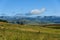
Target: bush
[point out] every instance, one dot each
(3, 20)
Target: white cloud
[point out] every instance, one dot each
(38, 11)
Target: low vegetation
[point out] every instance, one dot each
(27, 32)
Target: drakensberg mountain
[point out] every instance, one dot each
(32, 20)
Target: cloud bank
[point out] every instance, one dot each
(38, 11)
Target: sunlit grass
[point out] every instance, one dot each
(27, 32)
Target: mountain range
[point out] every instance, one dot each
(32, 20)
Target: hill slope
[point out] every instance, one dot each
(27, 32)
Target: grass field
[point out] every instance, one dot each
(27, 32)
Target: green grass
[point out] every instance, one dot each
(27, 32)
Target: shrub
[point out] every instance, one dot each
(3, 20)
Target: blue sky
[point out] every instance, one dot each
(13, 7)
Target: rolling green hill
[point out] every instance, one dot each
(27, 32)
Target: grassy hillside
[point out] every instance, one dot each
(27, 32)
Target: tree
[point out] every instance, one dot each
(20, 22)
